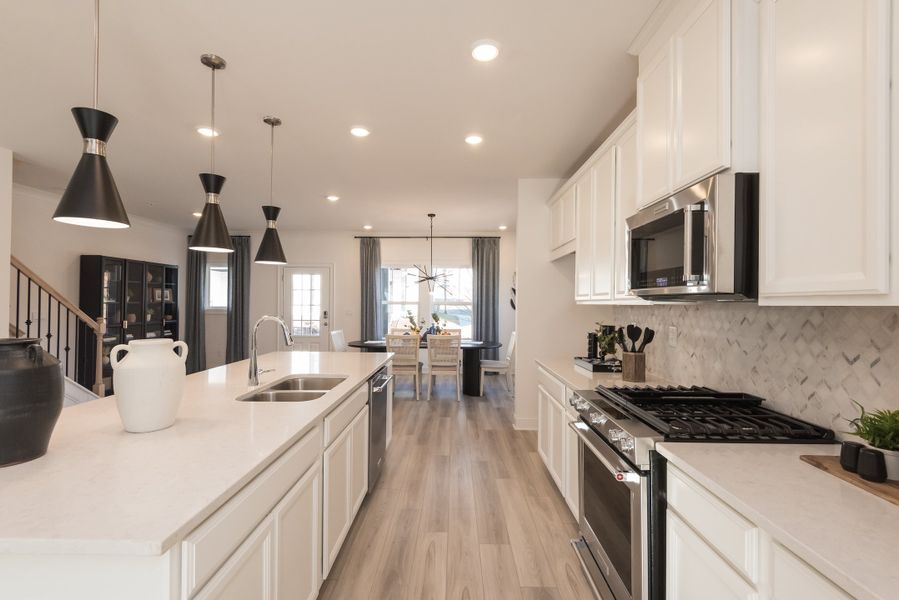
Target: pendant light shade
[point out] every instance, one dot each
(270, 250)
(92, 199)
(211, 233)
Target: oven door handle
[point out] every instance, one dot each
(625, 476)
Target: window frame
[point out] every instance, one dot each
(426, 302)
(207, 296)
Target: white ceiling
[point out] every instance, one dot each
(402, 68)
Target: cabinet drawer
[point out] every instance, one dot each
(210, 544)
(795, 579)
(735, 538)
(552, 386)
(343, 415)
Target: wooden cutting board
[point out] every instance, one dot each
(889, 490)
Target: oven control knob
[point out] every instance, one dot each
(582, 405)
(572, 400)
(598, 419)
(615, 434)
(626, 443)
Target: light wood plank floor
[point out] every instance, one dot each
(465, 510)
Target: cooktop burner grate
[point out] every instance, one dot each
(698, 414)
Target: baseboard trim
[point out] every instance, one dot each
(525, 424)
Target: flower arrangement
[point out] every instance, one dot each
(414, 326)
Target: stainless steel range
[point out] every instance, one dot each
(622, 477)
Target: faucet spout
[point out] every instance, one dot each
(254, 360)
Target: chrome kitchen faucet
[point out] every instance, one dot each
(254, 361)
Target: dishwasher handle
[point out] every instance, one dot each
(384, 383)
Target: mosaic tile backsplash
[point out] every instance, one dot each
(810, 362)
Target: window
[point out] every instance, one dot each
(306, 304)
(216, 287)
(451, 298)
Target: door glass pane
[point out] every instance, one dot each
(112, 292)
(306, 308)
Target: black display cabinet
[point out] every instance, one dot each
(138, 300)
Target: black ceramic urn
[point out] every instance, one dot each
(31, 395)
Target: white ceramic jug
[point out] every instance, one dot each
(148, 383)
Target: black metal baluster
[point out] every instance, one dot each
(28, 311)
(39, 290)
(49, 335)
(68, 326)
(18, 299)
(58, 330)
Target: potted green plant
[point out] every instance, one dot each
(880, 430)
(414, 326)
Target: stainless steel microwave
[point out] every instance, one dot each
(699, 244)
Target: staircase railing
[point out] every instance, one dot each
(40, 311)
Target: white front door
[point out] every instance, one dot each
(307, 306)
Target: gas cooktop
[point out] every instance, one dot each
(700, 414)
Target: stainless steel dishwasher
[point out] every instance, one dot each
(378, 396)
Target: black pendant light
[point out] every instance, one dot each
(92, 199)
(270, 250)
(211, 234)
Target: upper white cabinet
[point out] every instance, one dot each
(625, 205)
(604, 171)
(563, 223)
(826, 204)
(583, 256)
(655, 126)
(697, 102)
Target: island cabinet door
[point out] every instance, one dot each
(248, 573)
(298, 539)
(792, 578)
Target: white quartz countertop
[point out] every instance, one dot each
(577, 378)
(847, 534)
(100, 490)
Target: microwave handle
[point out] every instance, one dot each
(689, 275)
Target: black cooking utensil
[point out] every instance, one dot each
(633, 333)
(648, 335)
(620, 339)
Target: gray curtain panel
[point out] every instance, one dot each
(370, 263)
(238, 344)
(195, 315)
(485, 271)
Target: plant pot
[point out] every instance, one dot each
(31, 396)
(891, 458)
(148, 383)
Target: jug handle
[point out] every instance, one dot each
(183, 346)
(36, 354)
(114, 354)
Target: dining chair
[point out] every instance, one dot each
(400, 331)
(338, 340)
(506, 365)
(443, 359)
(405, 358)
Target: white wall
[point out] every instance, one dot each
(549, 323)
(53, 250)
(5, 235)
(340, 250)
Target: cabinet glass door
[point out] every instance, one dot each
(134, 300)
(155, 303)
(113, 273)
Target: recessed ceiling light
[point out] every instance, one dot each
(503, 227)
(484, 51)
(366, 227)
(197, 214)
(208, 132)
(473, 139)
(333, 198)
(360, 132)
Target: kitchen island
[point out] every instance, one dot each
(108, 514)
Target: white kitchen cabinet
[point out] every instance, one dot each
(557, 444)
(603, 217)
(248, 573)
(583, 254)
(572, 490)
(694, 571)
(563, 223)
(557, 456)
(626, 205)
(655, 127)
(702, 98)
(550, 439)
(697, 96)
(826, 203)
(298, 539)
(544, 432)
(792, 578)
(345, 470)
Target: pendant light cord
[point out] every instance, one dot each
(96, 51)
(271, 171)
(212, 119)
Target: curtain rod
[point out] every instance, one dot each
(425, 237)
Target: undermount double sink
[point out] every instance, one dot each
(300, 388)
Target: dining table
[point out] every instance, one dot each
(471, 359)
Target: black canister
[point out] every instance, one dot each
(871, 465)
(591, 345)
(31, 396)
(849, 456)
